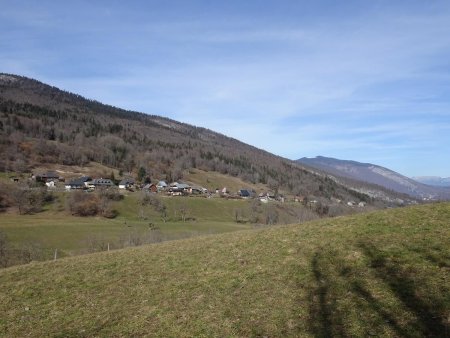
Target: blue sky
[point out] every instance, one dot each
(361, 80)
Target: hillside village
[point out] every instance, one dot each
(43, 128)
(55, 182)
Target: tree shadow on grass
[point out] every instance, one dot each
(434, 256)
(428, 313)
(334, 278)
(324, 319)
(377, 307)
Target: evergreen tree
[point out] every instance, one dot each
(141, 173)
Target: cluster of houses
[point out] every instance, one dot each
(89, 183)
(172, 189)
(50, 179)
(86, 182)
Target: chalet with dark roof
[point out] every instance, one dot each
(78, 183)
(150, 187)
(162, 185)
(126, 183)
(244, 193)
(48, 176)
(197, 190)
(179, 188)
(102, 183)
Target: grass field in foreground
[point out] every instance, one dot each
(383, 274)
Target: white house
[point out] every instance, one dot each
(126, 183)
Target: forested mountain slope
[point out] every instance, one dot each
(43, 124)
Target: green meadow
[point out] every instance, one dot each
(56, 229)
(383, 274)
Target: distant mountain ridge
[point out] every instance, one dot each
(374, 174)
(433, 180)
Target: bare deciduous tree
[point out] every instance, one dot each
(271, 215)
(183, 210)
(27, 200)
(96, 242)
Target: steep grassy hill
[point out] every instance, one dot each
(376, 274)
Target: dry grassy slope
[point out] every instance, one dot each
(212, 180)
(68, 172)
(378, 274)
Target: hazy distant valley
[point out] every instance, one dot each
(374, 174)
(433, 180)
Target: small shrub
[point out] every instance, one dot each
(321, 209)
(95, 243)
(83, 204)
(5, 198)
(110, 213)
(149, 199)
(111, 194)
